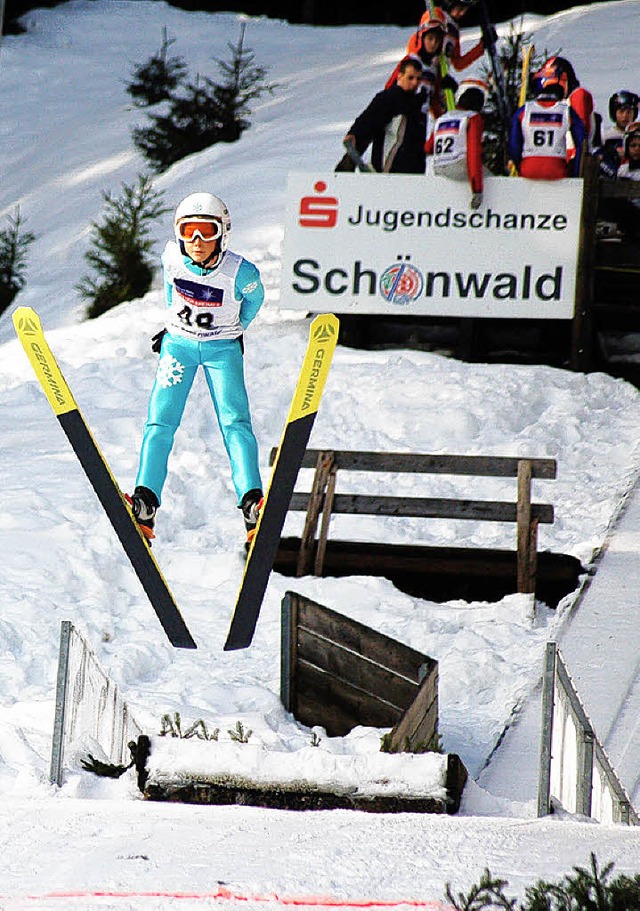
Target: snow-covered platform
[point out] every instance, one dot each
(600, 643)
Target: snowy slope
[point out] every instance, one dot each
(65, 140)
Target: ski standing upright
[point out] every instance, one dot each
(323, 337)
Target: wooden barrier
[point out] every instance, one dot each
(323, 501)
(338, 673)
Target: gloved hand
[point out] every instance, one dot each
(156, 341)
(476, 200)
(448, 82)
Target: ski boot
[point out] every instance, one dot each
(144, 504)
(251, 504)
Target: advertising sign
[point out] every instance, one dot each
(406, 244)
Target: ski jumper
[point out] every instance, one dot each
(456, 146)
(208, 310)
(546, 140)
(452, 49)
(581, 101)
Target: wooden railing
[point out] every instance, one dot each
(323, 500)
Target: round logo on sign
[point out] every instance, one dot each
(401, 283)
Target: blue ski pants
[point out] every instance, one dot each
(222, 361)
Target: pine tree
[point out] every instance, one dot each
(190, 125)
(13, 255)
(159, 77)
(205, 112)
(244, 82)
(121, 245)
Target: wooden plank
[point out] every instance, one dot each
(418, 727)
(427, 508)
(327, 509)
(526, 583)
(292, 797)
(482, 466)
(362, 640)
(355, 669)
(369, 558)
(288, 651)
(324, 463)
(338, 706)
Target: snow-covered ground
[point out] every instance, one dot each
(65, 139)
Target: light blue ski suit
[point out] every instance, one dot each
(200, 333)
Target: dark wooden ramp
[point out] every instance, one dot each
(439, 573)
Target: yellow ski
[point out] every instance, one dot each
(323, 337)
(29, 331)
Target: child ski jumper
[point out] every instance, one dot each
(456, 141)
(628, 215)
(212, 295)
(455, 11)
(558, 71)
(630, 167)
(623, 111)
(425, 47)
(546, 137)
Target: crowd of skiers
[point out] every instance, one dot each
(425, 121)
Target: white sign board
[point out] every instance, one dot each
(411, 245)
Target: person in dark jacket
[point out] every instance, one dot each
(394, 125)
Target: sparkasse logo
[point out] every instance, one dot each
(318, 211)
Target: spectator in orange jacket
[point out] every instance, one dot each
(425, 47)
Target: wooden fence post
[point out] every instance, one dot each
(288, 651)
(582, 327)
(327, 509)
(527, 531)
(324, 465)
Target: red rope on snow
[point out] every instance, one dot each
(223, 894)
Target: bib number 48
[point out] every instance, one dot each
(201, 320)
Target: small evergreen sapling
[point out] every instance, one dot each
(190, 125)
(590, 889)
(120, 249)
(204, 112)
(159, 77)
(13, 257)
(243, 83)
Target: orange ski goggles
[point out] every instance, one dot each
(206, 230)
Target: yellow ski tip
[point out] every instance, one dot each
(26, 321)
(323, 338)
(29, 330)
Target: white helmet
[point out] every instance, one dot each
(477, 85)
(204, 207)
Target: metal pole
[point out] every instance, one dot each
(1, 18)
(548, 690)
(57, 746)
